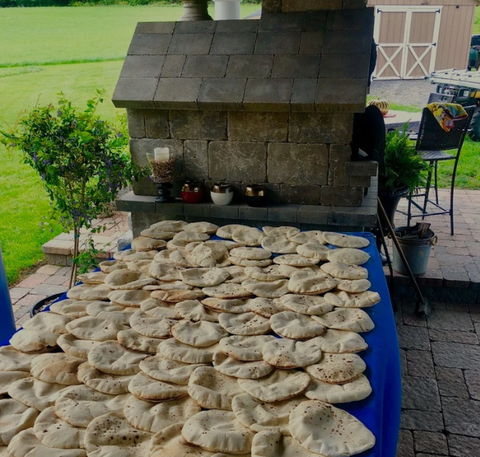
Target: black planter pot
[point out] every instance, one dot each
(44, 302)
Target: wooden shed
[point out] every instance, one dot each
(416, 37)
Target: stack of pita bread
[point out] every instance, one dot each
(188, 345)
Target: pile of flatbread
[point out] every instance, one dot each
(187, 345)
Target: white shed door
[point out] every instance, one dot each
(406, 38)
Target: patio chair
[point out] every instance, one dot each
(432, 144)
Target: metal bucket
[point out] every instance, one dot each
(7, 322)
(416, 250)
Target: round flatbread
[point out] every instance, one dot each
(56, 368)
(249, 253)
(349, 256)
(145, 244)
(310, 282)
(173, 350)
(227, 291)
(268, 443)
(226, 231)
(129, 297)
(235, 306)
(127, 280)
(193, 310)
(295, 260)
(277, 386)
(34, 393)
(288, 270)
(110, 312)
(345, 241)
(167, 370)
(218, 431)
(47, 322)
(263, 289)
(149, 389)
(34, 341)
(313, 250)
(96, 277)
(186, 237)
(159, 309)
(108, 266)
(249, 263)
(14, 417)
(289, 354)
(204, 277)
(177, 296)
(154, 417)
(245, 348)
(265, 307)
(164, 271)
(306, 304)
(198, 334)
(306, 237)
(102, 382)
(248, 236)
(341, 341)
(9, 377)
(237, 369)
(157, 233)
(237, 274)
(324, 429)
(201, 227)
(264, 416)
(361, 300)
(356, 390)
(112, 358)
(285, 231)
(344, 271)
(279, 245)
(89, 292)
(354, 320)
(132, 340)
(296, 326)
(354, 286)
(245, 324)
(94, 329)
(271, 273)
(70, 308)
(150, 326)
(169, 226)
(337, 368)
(13, 360)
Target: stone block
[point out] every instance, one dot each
(312, 42)
(300, 195)
(431, 442)
(453, 336)
(257, 126)
(148, 44)
(202, 210)
(339, 65)
(354, 4)
(136, 123)
(321, 128)
(360, 181)
(193, 125)
(341, 94)
(173, 66)
(250, 66)
(156, 124)
(222, 94)
(420, 393)
(351, 20)
(272, 22)
(303, 95)
(342, 196)
(249, 213)
(171, 92)
(274, 43)
(455, 355)
(363, 168)
(405, 444)
(339, 42)
(142, 67)
(173, 210)
(190, 43)
(136, 203)
(358, 217)
(232, 43)
(155, 27)
(204, 66)
(314, 21)
(271, 6)
(311, 5)
(420, 364)
(472, 378)
(297, 66)
(195, 27)
(237, 161)
(340, 154)
(307, 163)
(224, 212)
(237, 26)
(450, 382)
(135, 93)
(196, 159)
(421, 420)
(450, 320)
(311, 214)
(461, 416)
(268, 94)
(283, 213)
(413, 338)
(463, 446)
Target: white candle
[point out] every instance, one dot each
(161, 153)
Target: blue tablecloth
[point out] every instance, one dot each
(380, 412)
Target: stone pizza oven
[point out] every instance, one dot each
(269, 101)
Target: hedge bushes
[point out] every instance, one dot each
(32, 3)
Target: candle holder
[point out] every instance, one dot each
(162, 175)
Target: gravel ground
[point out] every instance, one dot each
(412, 92)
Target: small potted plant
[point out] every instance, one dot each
(82, 161)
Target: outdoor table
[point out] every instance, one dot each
(380, 412)
(397, 119)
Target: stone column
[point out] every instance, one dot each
(195, 10)
(227, 9)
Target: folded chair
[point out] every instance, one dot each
(432, 145)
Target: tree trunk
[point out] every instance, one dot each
(76, 244)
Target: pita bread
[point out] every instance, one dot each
(171, 371)
(79, 405)
(270, 273)
(277, 386)
(264, 416)
(237, 369)
(296, 326)
(173, 350)
(14, 417)
(159, 309)
(218, 431)
(344, 271)
(227, 291)
(226, 231)
(337, 368)
(89, 292)
(268, 443)
(70, 308)
(245, 348)
(129, 254)
(127, 280)
(172, 285)
(164, 272)
(102, 382)
(145, 244)
(193, 310)
(74, 347)
(204, 277)
(8, 377)
(201, 227)
(285, 231)
(176, 296)
(157, 233)
(190, 236)
(149, 389)
(47, 322)
(295, 260)
(111, 434)
(108, 266)
(356, 390)
(306, 304)
(26, 444)
(56, 433)
(56, 368)
(310, 282)
(250, 263)
(306, 237)
(129, 297)
(323, 429)
(360, 300)
(271, 289)
(245, 324)
(354, 320)
(349, 256)
(345, 241)
(33, 341)
(13, 360)
(279, 245)
(212, 389)
(169, 226)
(134, 341)
(237, 274)
(154, 417)
(198, 334)
(112, 358)
(235, 306)
(96, 277)
(250, 253)
(94, 328)
(34, 393)
(341, 341)
(110, 312)
(354, 286)
(248, 236)
(209, 255)
(314, 250)
(150, 326)
(265, 307)
(288, 354)
(288, 270)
